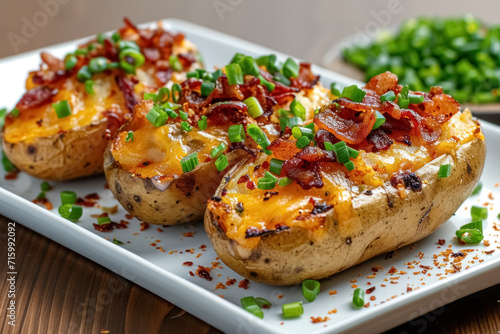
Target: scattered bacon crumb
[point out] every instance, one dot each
(490, 196)
(160, 249)
(191, 273)
(129, 216)
(332, 292)
(373, 298)
(134, 234)
(152, 244)
(279, 296)
(203, 246)
(367, 305)
(230, 281)
(486, 243)
(332, 311)
(189, 234)
(104, 331)
(383, 285)
(204, 272)
(371, 276)
(319, 319)
(198, 256)
(441, 242)
(220, 285)
(392, 270)
(45, 202)
(159, 229)
(354, 281)
(354, 286)
(215, 265)
(409, 289)
(187, 264)
(370, 290)
(12, 175)
(244, 284)
(144, 226)
(489, 252)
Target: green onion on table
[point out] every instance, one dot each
(462, 55)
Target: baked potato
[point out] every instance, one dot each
(72, 107)
(327, 212)
(146, 174)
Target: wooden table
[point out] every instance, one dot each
(60, 291)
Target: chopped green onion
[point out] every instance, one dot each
(389, 96)
(156, 116)
(334, 90)
(70, 62)
(350, 166)
(402, 102)
(117, 242)
(15, 113)
(41, 195)
(193, 74)
(116, 36)
(310, 289)
(266, 183)
(183, 115)
(478, 212)
(237, 58)
(123, 45)
(89, 87)
(444, 171)
(71, 212)
(475, 224)
(202, 123)
(416, 99)
(207, 87)
(130, 136)
(379, 121)
(131, 59)
(68, 197)
(103, 220)
(249, 304)
(289, 122)
(45, 186)
(298, 109)
(185, 126)
(84, 74)
(259, 136)
(249, 66)
(81, 52)
(189, 162)
(254, 107)
(151, 96)
(100, 38)
(469, 236)
(91, 47)
(8, 166)
(269, 62)
(217, 151)
(175, 63)
(275, 166)
(221, 163)
(162, 93)
(269, 85)
(279, 77)
(62, 108)
(234, 74)
(263, 303)
(290, 68)
(477, 189)
(405, 91)
(358, 298)
(236, 133)
(176, 92)
(172, 114)
(292, 310)
(354, 93)
(328, 146)
(113, 65)
(98, 64)
(302, 142)
(217, 74)
(341, 152)
(285, 181)
(299, 131)
(352, 152)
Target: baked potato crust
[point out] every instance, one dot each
(384, 222)
(62, 156)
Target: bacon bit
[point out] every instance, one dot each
(191, 273)
(144, 226)
(489, 252)
(129, 216)
(216, 265)
(92, 196)
(332, 311)
(354, 286)
(354, 281)
(368, 283)
(104, 331)
(243, 179)
(441, 242)
(203, 246)
(230, 281)
(490, 196)
(244, 284)
(251, 185)
(159, 229)
(204, 272)
(187, 264)
(486, 243)
(332, 292)
(367, 305)
(373, 298)
(279, 296)
(153, 244)
(43, 201)
(392, 270)
(319, 319)
(12, 176)
(425, 267)
(220, 285)
(134, 234)
(370, 290)
(82, 202)
(394, 282)
(189, 234)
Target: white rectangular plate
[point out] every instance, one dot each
(154, 259)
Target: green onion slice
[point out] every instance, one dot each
(62, 108)
(84, 74)
(8, 166)
(236, 133)
(234, 74)
(89, 87)
(290, 68)
(193, 74)
(285, 181)
(249, 66)
(176, 92)
(71, 212)
(259, 136)
(334, 90)
(70, 62)
(156, 116)
(189, 162)
(254, 107)
(207, 88)
(103, 220)
(389, 96)
(15, 113)
(469, 236)
(354, 93)
(478, 212)
(475, 224)
(221, 163)
(45, 186)
(292, 310)
(310, 289)
(266, 183)
(263, 303)
(250, 305)
(175, 63)
(130, 136)
(350, 166)
(444, 171)
(379, 121)
(289, 122)
(202, 123)
(298, 109)
(358, 298)
(416, 99)
(303, 142)
(186, 126)
(402, 102)
(477, 189)
(217, 151)
(275, 166)
(98, 65)
(269, 85)
(68, 197)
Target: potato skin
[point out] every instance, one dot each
(76, 153)
(384, 222)
(181, 200)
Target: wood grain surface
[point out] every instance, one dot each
(60, 291)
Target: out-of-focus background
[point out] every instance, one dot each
(304, 29)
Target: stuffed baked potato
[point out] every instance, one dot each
(147, 174)
(72, 107)
(316, 211)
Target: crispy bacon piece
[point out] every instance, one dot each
(306, 78)
(242, 146)
(35, 97)
(127, 88)
(437, 105)
(316, 154)
(323, 136)
(321, 208)
(227, 112)
(186, 59)
(345, 124)
(383, 83)
(53, 63)
(426, 128)
(305, 174)
(283, 149)
(379, 139)
(409, 179)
